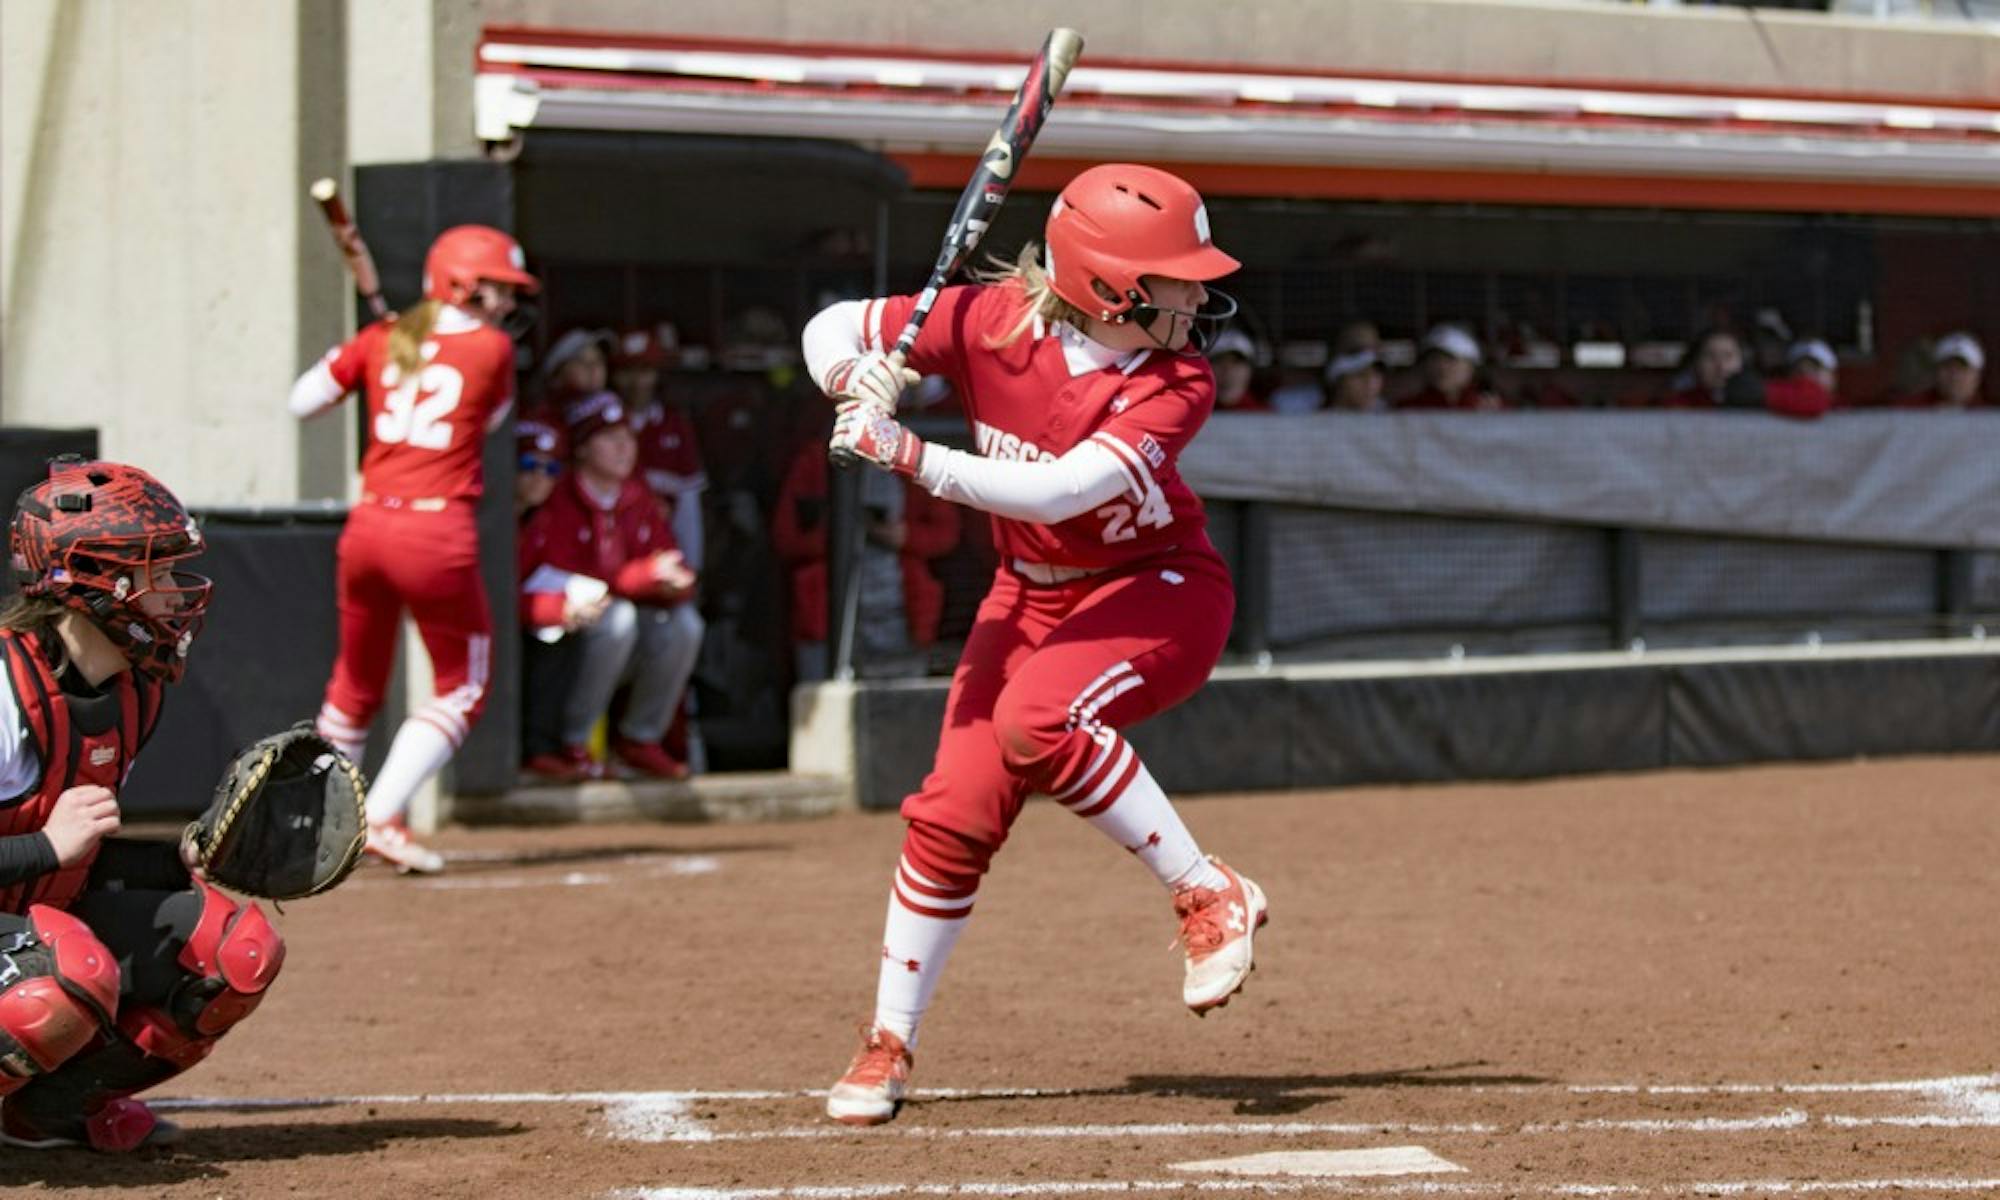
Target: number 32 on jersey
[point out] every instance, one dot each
(1121, 524)
(416, 410)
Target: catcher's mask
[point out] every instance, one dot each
(102, 538)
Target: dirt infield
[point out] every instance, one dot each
(1780, 980)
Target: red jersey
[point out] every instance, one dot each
(669, 456)
(1025, 401)
(425, 432)
(573, 533)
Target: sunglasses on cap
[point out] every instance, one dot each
(531, 463)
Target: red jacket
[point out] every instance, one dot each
(1786, 395)
(571, 533)
(932, 529)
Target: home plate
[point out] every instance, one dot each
(1385, 1160)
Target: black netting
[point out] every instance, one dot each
(1689, 577)
(1342, 572)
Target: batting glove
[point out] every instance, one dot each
(867, 431)
(871, 379)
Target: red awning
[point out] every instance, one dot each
(1266, 132)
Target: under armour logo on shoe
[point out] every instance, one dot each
(1236, 917)
(909, 964)
(1152, 841)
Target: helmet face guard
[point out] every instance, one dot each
(101, 539)
(1204, 323)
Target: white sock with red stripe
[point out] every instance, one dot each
(419, 750)
(923, 925)
(1119, 798)
(347, 737)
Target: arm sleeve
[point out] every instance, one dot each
(26, 856)
(831, 338)
(1046, 493)
(842, 331)
(315, 391)
(128, 864)
(330, 379)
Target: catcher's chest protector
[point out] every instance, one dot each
(69, 758)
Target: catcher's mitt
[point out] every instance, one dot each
(287, 819)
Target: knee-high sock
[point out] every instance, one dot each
(924, 921)
(348, 736)
(419, 750)
(1119, 798)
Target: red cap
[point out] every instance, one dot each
(645, 346)
(539, 433)
(593, 413)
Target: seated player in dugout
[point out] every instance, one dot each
(901, 602)
(602, 525)
(1083, 381)
(1234, 358)
(437, 381)
(1448, 360)
(120, 966)
(1957, 362)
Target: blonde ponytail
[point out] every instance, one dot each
(408, 335)
(1042, 300)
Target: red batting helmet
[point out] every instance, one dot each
(1118, 222)
(465, 254)
(92, 536)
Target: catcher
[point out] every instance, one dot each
(121, 963)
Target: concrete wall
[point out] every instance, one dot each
(155, 238)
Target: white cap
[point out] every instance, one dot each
(1451, 340)
(571, 344)
(1959, 345)
(1344, 365)
(1233, 341)
(1813, 350)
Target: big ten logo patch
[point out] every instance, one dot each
(1151, 449)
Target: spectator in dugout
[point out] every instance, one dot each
(1809, 387)
(669, 454)
(602, 528)
(1957, 362)
(1714, 375)
(576, 365)
(1234, 358)
(1354, 381)
(553, 603)
(1448, 361)
(901, 602)
(1717, 376)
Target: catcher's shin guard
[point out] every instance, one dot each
(231, 958)
(58, 988)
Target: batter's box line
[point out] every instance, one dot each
(1315, 1187)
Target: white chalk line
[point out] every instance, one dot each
(1316, 1187)
(1966, 1102)
(656, 868)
